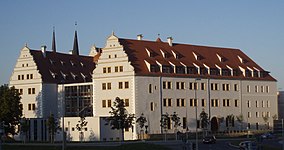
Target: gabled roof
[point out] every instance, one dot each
(137, 53)
(63, 68)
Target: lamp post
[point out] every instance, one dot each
(195, 101)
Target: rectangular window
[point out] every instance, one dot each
(108, 69)
(178, 102)
(120, 68)
(29, 90)
(29, 106)
(169, 102)
(256, 114)
(104, 70)
(19, 77)
(262, 104)
(33, 90)
(164, 84)
(182, 102)
(178, 85)
(203, 86)
(28, 76)
(152, 106)
(248, 88)
(256, 89)
(31, 76)
(182, 85)
(150, 88)
(33, 106)
(116, 69)
(203, 103)
(236, 103)
(256, 104)
(248, 104)
(120, 85)
(267, 89)
(169, 85)
(109, 103)
(126, 102)
(104, 103)
(103, 86)
(214, 102)
(23, 77)
(164, 102)
(268, 103)
(126, 84)
(236, 87)
(109, 86)
(184, 123)
(249, 114)
(214, 86)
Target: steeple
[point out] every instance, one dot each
(53, 40)
(75, 44)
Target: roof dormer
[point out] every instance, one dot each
(197, 56)
(221, 58)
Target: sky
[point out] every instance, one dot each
(255, 26)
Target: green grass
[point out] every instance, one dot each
(134, 146)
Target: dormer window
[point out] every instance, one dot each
(84, 77)
(230, 70)
(197, 56)
(52, 61)
(54, 75)
(150, 53)
(221, 58)
(72, 63)
(165, 54)
(63, 75)
(256, 72)
(197, 68)
(62, 63)
(180, 70)
(192, 70)
(219, 69)
(74, 76)
(167, 69)
(207, 68)
(82, 64)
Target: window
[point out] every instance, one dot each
(180, 102)
(256, 88)
(203, 86)
(29, 106)
(267, 89)
(33, 90)
(33, 106)
(180, 85)
(236, 103)
(23, 77)
(193, 102)
(167, 102)
(226, 103)
(214, 86)
(29, 90)
(120, 85)
(256, 104)
(226, 87)
(108, 69)
(126, 84)
(21, 91)
(262, 89)
(109, 103)
(203, 103)
(150, 88)
(19, 77)
(126, 102)
(256, 114)
(28, 76)
(268, 103)
(120, 68)
(104, 70)
(248, 88)
(214, 103)
(249, 114)
(152, 106)
(116, 69)
(167, 85)
(184, 123)
(104, 103)
(103, 86)
(192, 85)
(262, 104)
(248, 104)
(31, 76)
(236, 87)
(109, 86)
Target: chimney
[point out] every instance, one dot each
(170, 41)
(139, 37)
(43, 50)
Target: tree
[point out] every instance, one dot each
(82, 123)
(240, 119)
(164, 123)
(24, 128)
(265, 119)
(176, 120)
(53, 127)
(120, 119)
(11, 108)
(204, 120)
(141, 122)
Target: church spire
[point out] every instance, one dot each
(53, 40)
(75, 44)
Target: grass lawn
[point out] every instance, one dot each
(135, 146)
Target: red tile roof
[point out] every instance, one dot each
(136, 51)
(63, 68)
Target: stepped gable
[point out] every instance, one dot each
(159, 53)
(63, 68)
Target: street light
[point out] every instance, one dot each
(195, 101)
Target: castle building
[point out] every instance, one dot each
(153, 78)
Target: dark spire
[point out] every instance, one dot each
(75, 44)
(53, 41)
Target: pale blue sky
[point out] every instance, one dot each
(254, 26)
